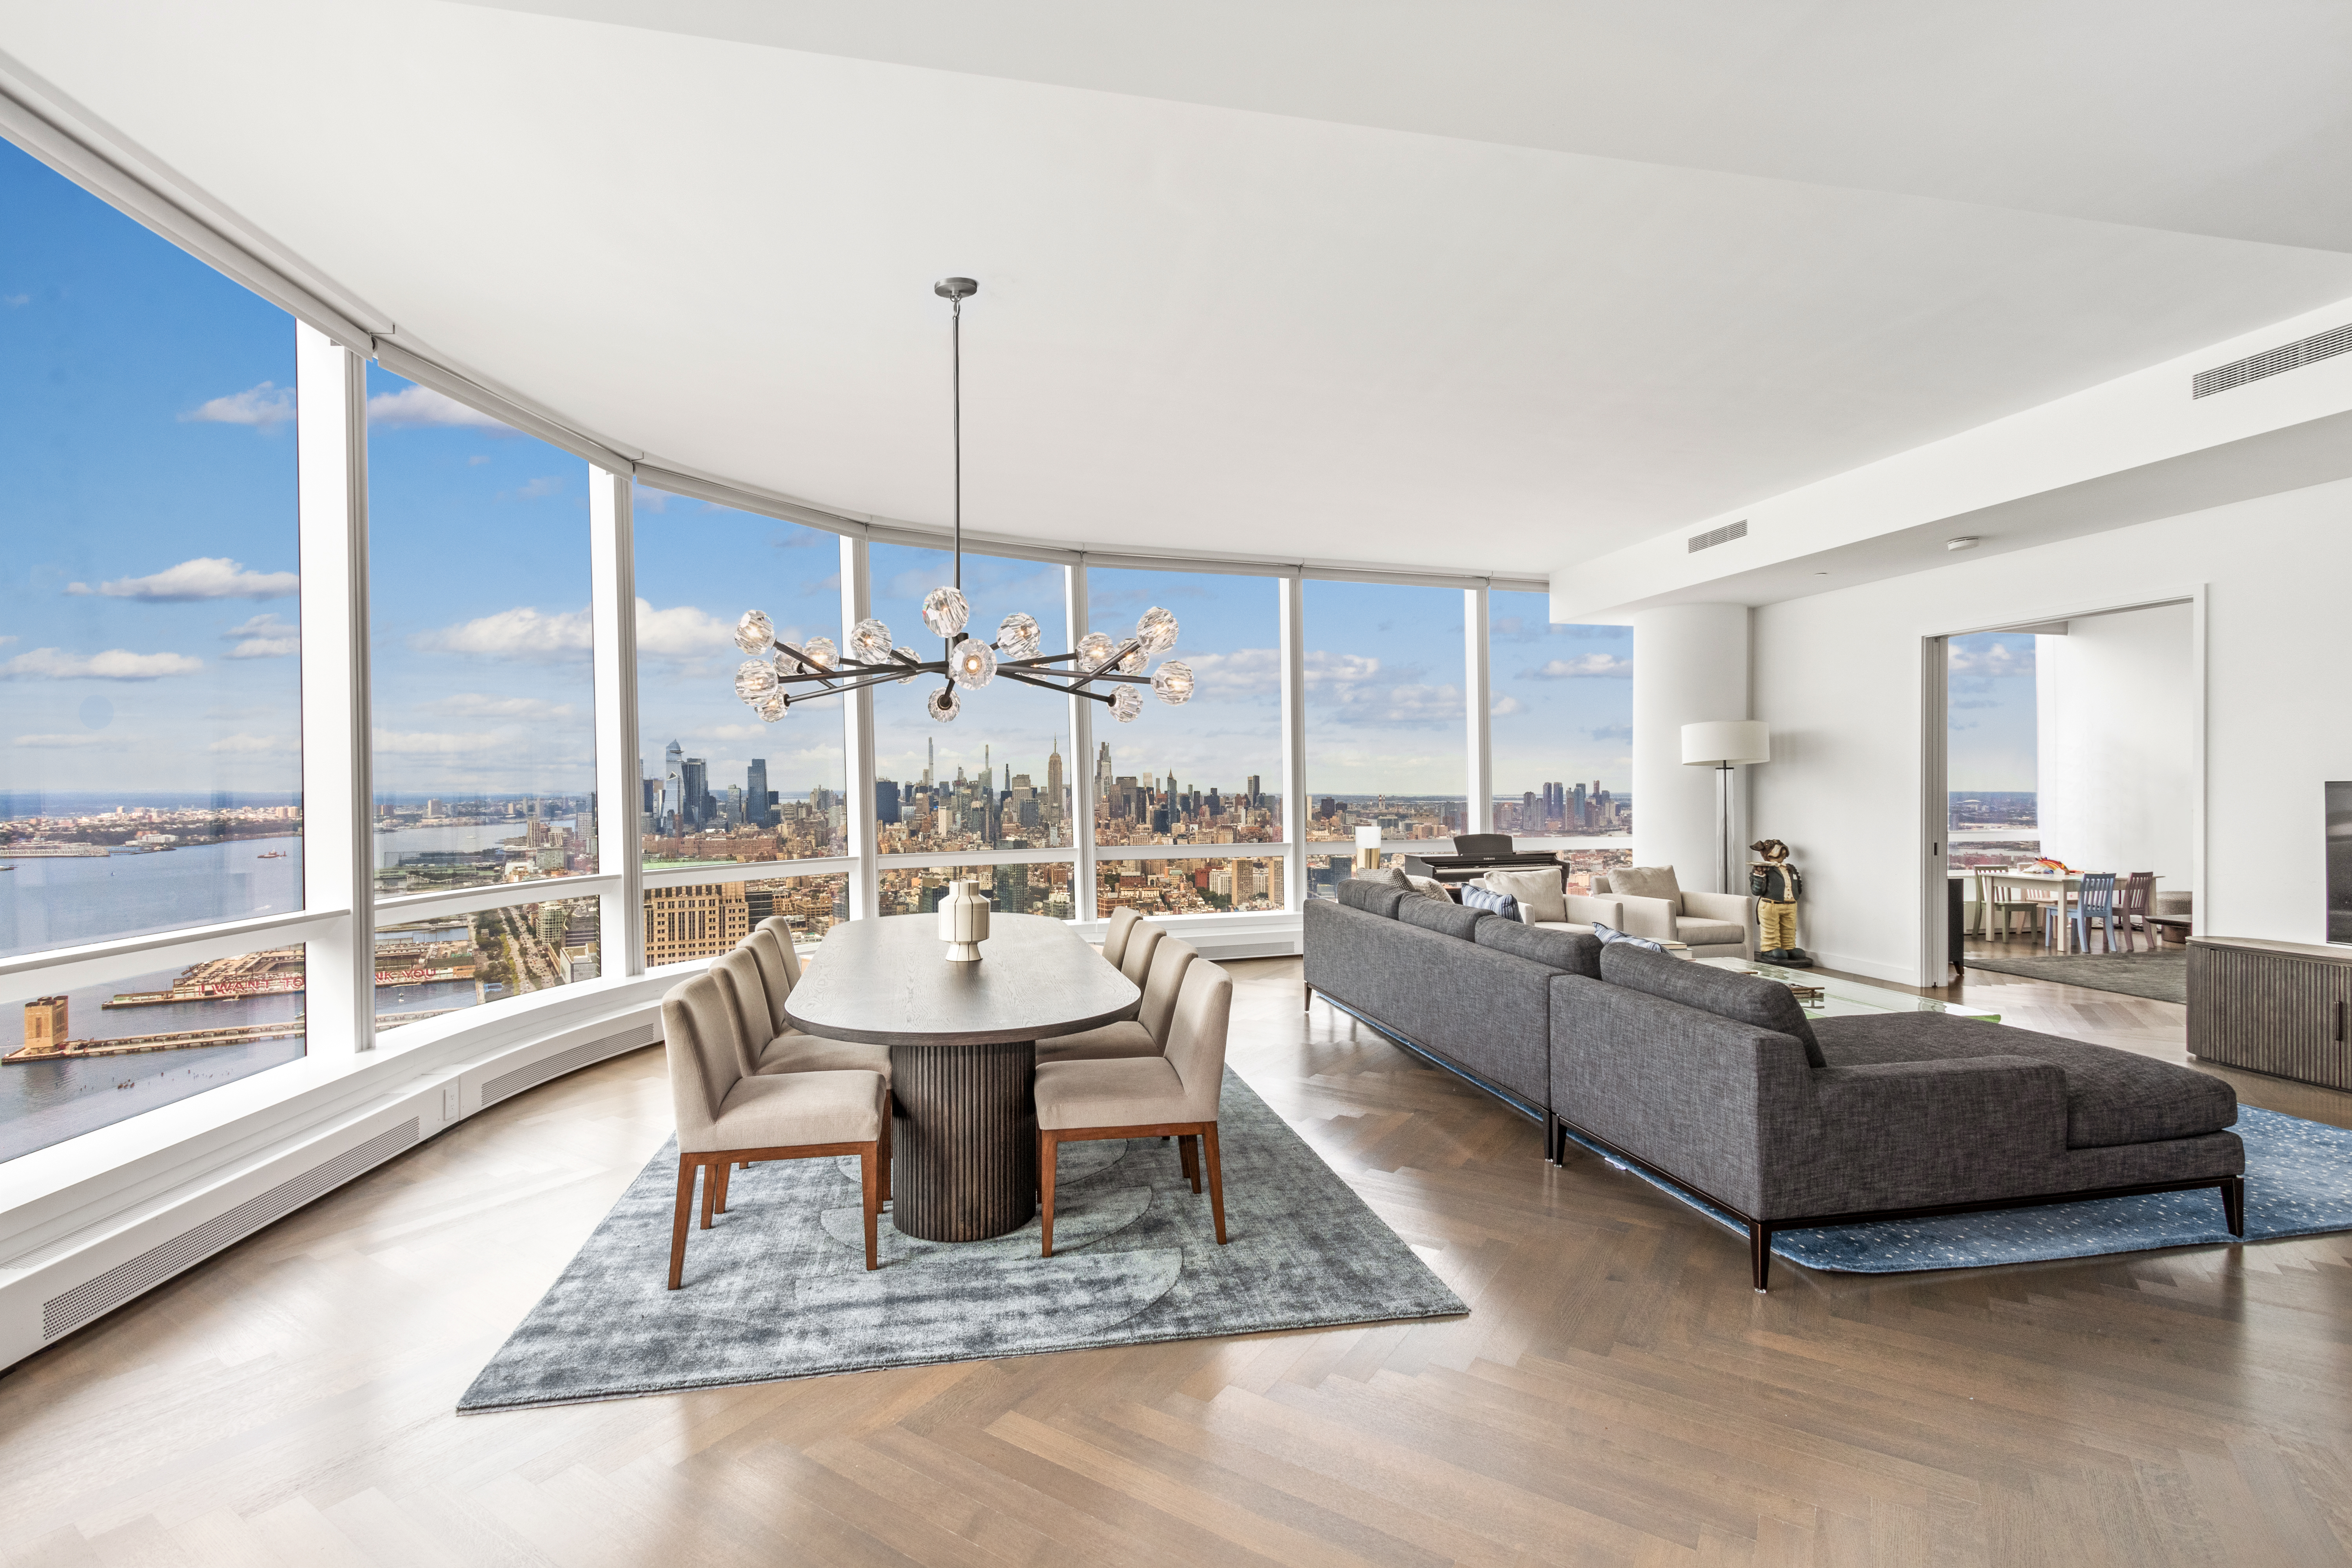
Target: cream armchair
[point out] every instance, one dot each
(1712, 925)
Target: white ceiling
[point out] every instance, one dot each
(1476, 286)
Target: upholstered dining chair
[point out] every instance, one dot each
(781, 930)
(1123, 922)
(769, 1042)
(726, 1117)
(1146, 1034)
(1136, 962)
(1172, 1095)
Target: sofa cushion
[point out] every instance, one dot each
(1474, 897)
(1568, 952)
(1710, 933)
(1373, 897)
(1745, 998)
(1441, 915)
(1647, 883)
(1539, 893)
(2113, 1097)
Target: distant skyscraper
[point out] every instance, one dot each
(1102, 772)
(886, 800)
(931, 761)
(1053, 782)
(755, 793)
(695, 773)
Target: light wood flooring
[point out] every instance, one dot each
(1617, 1395)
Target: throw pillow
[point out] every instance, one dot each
(1539, 893)
(1429, 887)
(1503, 904)
(1392, 876)
(1609, 934)
(1647, 883)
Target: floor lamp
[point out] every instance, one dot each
(1723, 744)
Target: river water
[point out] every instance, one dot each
(48, 903)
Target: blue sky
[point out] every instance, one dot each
(1563, 698)
(147, 608)
(1992, 744)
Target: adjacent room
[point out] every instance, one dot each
(1420, 785)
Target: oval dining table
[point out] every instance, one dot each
(963, 1053)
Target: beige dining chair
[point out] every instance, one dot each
(726, 1117)
(1174, 1094)
(1146, 1034)
(771, 1044)
(1123, 922)
(781, 930)
(1136, 962)
(2005, 902)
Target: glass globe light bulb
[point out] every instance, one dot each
(870, 641)
(943, 705)
(1127, 704)
(905, 656)
(754, 632)
(1133, 662)
(785, 664)
(753, 679)
(1172, 682)
(1094, 648)
(771, 707)
(1157, 630)
(972, 665)
(821, 652)
(945, 611)
(1018, 637)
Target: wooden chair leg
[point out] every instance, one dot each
(710, 1191)
(685, 1213)
(725, 1172)
(870, 1173)
(1188, 1151)
(887, 1119)
(1216, 1177)
(1048, 1148)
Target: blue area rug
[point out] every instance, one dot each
(2298, 1183)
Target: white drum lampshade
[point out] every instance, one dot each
(1368, 849)
(1722, 741)
(963, 922)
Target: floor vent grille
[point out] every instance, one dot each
(2271, 362)
(506, 1085)
(1714, 536)
(65, 1313)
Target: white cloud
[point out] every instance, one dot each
(1244, 672)
(520, 633)
(480, 705)
(205, 577)
(248, 744)
(68, 743)
(263, 636)
(1587, 665)
(264, 407)
(4, 641)
(1502, 707)
(682, 632)
(535, 490)
(477, 460)
(114, 664)
(14, 300)
(424, 743)
(1987, 659)
(421, 406)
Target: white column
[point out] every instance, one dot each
(612, 598)
(1479, 688)
(1293, 623)
(857, 736)
(338, 829)
(1690, 665)
(1082, 754)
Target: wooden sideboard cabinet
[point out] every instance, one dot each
(2272, 1006)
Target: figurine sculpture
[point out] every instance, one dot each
(1777, 886)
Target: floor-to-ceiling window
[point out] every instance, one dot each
(1560, 726)
(151, 754)
(484, 700)
(1991, 752)
(720, 782)
(1385, 716)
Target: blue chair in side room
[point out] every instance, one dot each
(2095, 905)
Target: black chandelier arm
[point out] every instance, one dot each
(1101, 696)
(1076, 682)
(812, 670)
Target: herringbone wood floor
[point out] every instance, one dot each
(1617, 1395)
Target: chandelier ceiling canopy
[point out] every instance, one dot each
(779, 670)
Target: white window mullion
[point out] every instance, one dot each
(1082, 755)
(857, 737)
(613, 590)
(338, 836)
(1292, 590)
(1478, 683)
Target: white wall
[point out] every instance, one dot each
(2115, 737)
(1837, 677)
(1690, 665)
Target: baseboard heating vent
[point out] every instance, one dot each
(65, 1313)
(507, 1085)
(2269, 362)
(1714, 536)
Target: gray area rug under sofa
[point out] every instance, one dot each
(778, 1288)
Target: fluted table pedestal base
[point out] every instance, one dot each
(965, 1166)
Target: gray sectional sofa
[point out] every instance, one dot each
(1716, 1082)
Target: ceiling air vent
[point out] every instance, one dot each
(1714, 536)
(2269, 362)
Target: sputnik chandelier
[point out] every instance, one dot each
(768, 681)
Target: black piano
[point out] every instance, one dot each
(1476, 854)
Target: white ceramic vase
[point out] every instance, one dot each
(963, 922)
